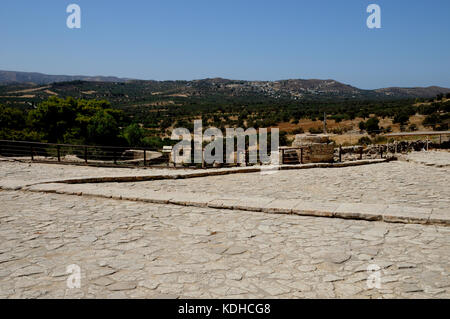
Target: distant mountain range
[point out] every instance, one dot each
(295, 89)
(12, 77)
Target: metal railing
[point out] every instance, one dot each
(81, 154)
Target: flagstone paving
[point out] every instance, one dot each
(30, 173)
(147, 250)
(432, 158)
(393, 182)
(396, 188)
(144, 250)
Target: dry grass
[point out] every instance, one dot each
(352, 127)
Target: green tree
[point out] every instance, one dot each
(372, 125)
(362, 125)
(402, 118)
(54, 117)
(134, 135)
(103, 129)
(76, 121)
(365, 140)
(432, 120)
(11, 118)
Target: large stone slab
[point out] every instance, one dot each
(227, 203)
(253, 203)
(397, 213)
(192, 199)
(440, 216)
(360, 211)
(322, 209)
(280, 206)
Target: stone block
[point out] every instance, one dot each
(404, 214)
(323, 209)
(360, 211)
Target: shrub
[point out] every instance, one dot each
(298, 130)
(362, 125)
(401, 118)
(365, 140)
(133, 134)
(372, 125)
(314, 130)
(380, 139)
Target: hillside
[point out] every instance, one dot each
(12, 77)
(125, 90)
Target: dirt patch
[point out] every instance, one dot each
(30, 90)
(50, 92)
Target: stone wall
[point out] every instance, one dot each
(316, 148)
(352, 153)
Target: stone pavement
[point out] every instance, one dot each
(139, 250)
(389, 191)
(398, 183)
(385, 212)
(432, 158)
(144, 246)
(393, 192)
(17, 174)
(22, 173)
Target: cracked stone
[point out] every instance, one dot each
(149, 284)
(28, 271)
(306, 268)
(103, 281)
(332, 278)
(411, 288)
(405, 266)
(120, 286)
(235, 250)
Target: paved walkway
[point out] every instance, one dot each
(131, 249)
(385, 212)
(22, 173)
(393, 191)
(19, 174)
(432, 158)
(135, 247)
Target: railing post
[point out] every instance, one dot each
(114, 156)
(301, 155)
(31, 152)
(361, 153)
(381, 152)
(203, 159)
(145, 157)
(85, 154)
(58, 149)
(340, 154)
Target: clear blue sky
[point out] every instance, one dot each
(237, 39)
